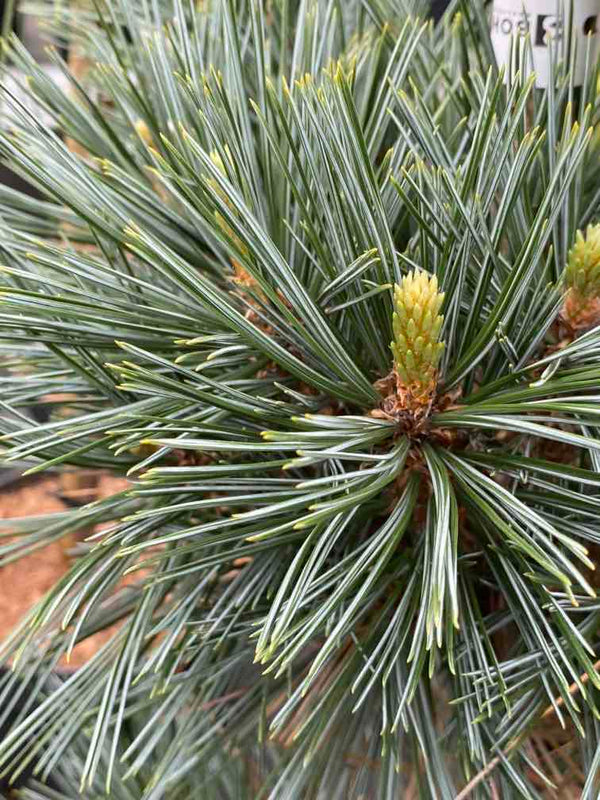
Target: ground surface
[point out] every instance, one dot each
(24, 582)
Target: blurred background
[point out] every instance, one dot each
(26, 27)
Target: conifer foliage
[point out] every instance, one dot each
(339, 569)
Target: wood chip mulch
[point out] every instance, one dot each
(24, 582)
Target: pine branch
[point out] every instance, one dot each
(339, 568)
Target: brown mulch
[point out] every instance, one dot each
(24, 582)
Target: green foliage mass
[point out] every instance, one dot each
(319, 602)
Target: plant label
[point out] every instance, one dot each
(542, 28)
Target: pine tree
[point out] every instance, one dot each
(323, 286)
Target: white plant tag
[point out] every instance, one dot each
(545, 22)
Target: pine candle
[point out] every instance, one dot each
(545, 21)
